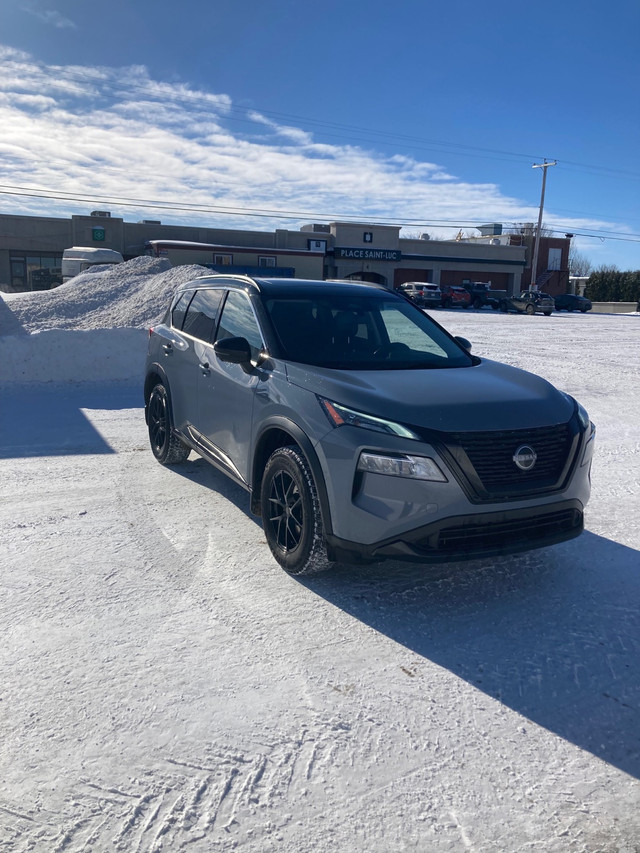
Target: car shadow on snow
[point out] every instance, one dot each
(199, 471)
(47, 419)
(553, 634)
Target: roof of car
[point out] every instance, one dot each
(286, 286)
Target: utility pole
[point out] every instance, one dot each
(536, 245)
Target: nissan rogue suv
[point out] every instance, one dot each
(360, 427)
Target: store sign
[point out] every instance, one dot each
(99, 235)
(368, 254)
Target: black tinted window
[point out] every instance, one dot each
(202, 314)
(362, 333)
(180, 309)
(238, 321)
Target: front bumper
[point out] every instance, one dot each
(374, 517)
(473, 536)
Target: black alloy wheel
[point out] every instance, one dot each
(291, 513)
(165, 445)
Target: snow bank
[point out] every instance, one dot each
(133, 294)
(94, 326)
(59, 355)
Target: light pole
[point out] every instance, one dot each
(536, 245)
(569, 286)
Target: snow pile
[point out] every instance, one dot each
(132, 294)
(94, 326)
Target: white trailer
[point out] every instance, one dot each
(80, 258)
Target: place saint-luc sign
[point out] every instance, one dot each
(367, 254)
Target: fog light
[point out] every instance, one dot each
(413, 467)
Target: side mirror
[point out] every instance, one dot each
(233, 350)
(464, 343)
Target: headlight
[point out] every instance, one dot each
(583, 417)
(588, 429)
(413, 467)
(340, 416)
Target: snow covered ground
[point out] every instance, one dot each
(166, 686)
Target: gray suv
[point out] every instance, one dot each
(362, 429)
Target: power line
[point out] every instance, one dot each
(274, 213)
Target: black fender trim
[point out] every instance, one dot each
(153, 370)
(299, 437)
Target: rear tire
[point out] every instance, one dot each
(165, 444)
(291, 513)
(529, 309)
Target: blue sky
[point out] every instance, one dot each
(272, 114)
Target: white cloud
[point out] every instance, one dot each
(111, 134)
(50, 16)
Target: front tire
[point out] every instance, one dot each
(291, 513)
(530, 310)
(165, 444)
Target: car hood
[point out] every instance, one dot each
(487, 396)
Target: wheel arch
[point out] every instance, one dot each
(282, 432)
(155, 374)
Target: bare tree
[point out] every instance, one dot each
(579, 264)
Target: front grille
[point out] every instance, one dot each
(485, 460)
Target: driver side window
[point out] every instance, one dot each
(238, 321)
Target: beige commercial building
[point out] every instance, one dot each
(31, 251)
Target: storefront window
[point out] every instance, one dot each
(35, 271)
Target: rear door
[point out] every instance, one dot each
(194, 319)
(226, 392)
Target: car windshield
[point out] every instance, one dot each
(363, 332)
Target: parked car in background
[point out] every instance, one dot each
(572, 302)
(423, 293)
(359, 427)
(529, 302)
(482, 294)
(455, 297)
(45, 278)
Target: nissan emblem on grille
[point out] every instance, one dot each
(525, 457)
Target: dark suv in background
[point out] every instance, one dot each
(361, 428)
(529, 302)
(572, 302)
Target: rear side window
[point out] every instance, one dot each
(180, 309)
(202, 314)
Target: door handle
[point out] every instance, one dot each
(204, 367)
(168, 349)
